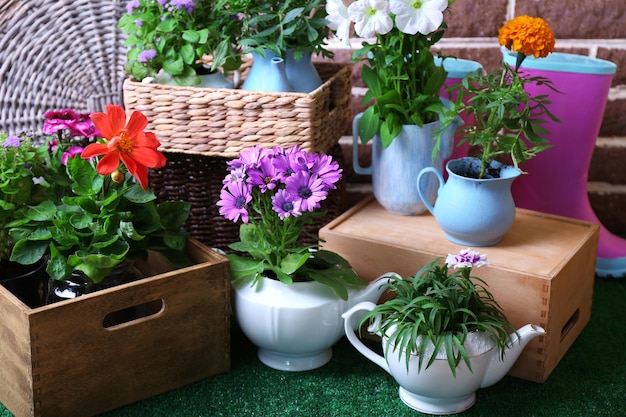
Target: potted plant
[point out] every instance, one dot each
(443, 334)
(404, 80)
(291, 31)
(20, 162)
(170, 38)
(97, 214)
(288, 297)
(506, 132)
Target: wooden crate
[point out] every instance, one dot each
(542, 272)
(59, 360)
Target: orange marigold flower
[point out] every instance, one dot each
(128, 143)
(528, 35)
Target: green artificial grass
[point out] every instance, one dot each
(589, 381)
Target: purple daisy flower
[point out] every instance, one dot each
(234, 200)
(308, 190)
(282, 203)
(264, 176)
(132, 5)
(328, 170)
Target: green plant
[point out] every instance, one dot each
(297, 25)
(403, 80)
(440, 307)
(98, 212)
(175, 35)
(275, 193)
(507, 119)
(20, 163)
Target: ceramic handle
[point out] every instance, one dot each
(355, 341)
(419, 186)
(355, 148)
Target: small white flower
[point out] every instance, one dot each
(370, 17)
(337, 13)
(467, 258)
(423, 16)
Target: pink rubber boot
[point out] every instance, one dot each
(557, 178)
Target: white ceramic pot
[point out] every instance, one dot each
(435, 390)
(295, 326)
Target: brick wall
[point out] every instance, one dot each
(595, 28)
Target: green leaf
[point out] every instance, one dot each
(242, 267)
(27, 252)
(294, 261)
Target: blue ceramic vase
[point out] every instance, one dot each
(471, 211)
(267, 74)
(301, 74)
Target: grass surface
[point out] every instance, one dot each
(590, 380)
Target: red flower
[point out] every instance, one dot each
(127, 143)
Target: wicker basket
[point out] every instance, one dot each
(198, 180)
(222, 122)
(58, 54)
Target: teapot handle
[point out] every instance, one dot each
(425, 200)
(355, 341)
(355, 148)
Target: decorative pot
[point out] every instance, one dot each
(301, 74)
(434, 389)
(395, 168)
(471, 211)
(267, 74)
(294, 326)
(557, 177)
(27, 282)
(79, 284)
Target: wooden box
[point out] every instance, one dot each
(60, 360)
(542, 272)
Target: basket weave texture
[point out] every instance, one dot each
(223, 122)
(198, 180)
(58, 54)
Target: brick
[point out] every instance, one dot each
(607, 163)
(578, 19)
(609, 208)
(618, 57)
(475, 19)
(614, 122)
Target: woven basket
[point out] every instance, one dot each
(58, 54)
(223, 122)
(198, 180)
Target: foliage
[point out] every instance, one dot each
(507, 120)
(403, 80)
(275, 194)
(298, 25)
(174, 35)
(442, 307)
(89, 221)
(20, 162)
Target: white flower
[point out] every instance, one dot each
(423, 16)
(467, 258)
(337, 13)
(370, 17)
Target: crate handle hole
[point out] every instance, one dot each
(133, 313)
(570, 324)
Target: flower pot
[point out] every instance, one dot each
(27, 282)
(267, 74)
(294, 326)
(435, 389)
(557, 178)
(471, 211)
(301, 74)
(395, 168)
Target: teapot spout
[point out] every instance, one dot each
(371, 293)
(498, 368)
